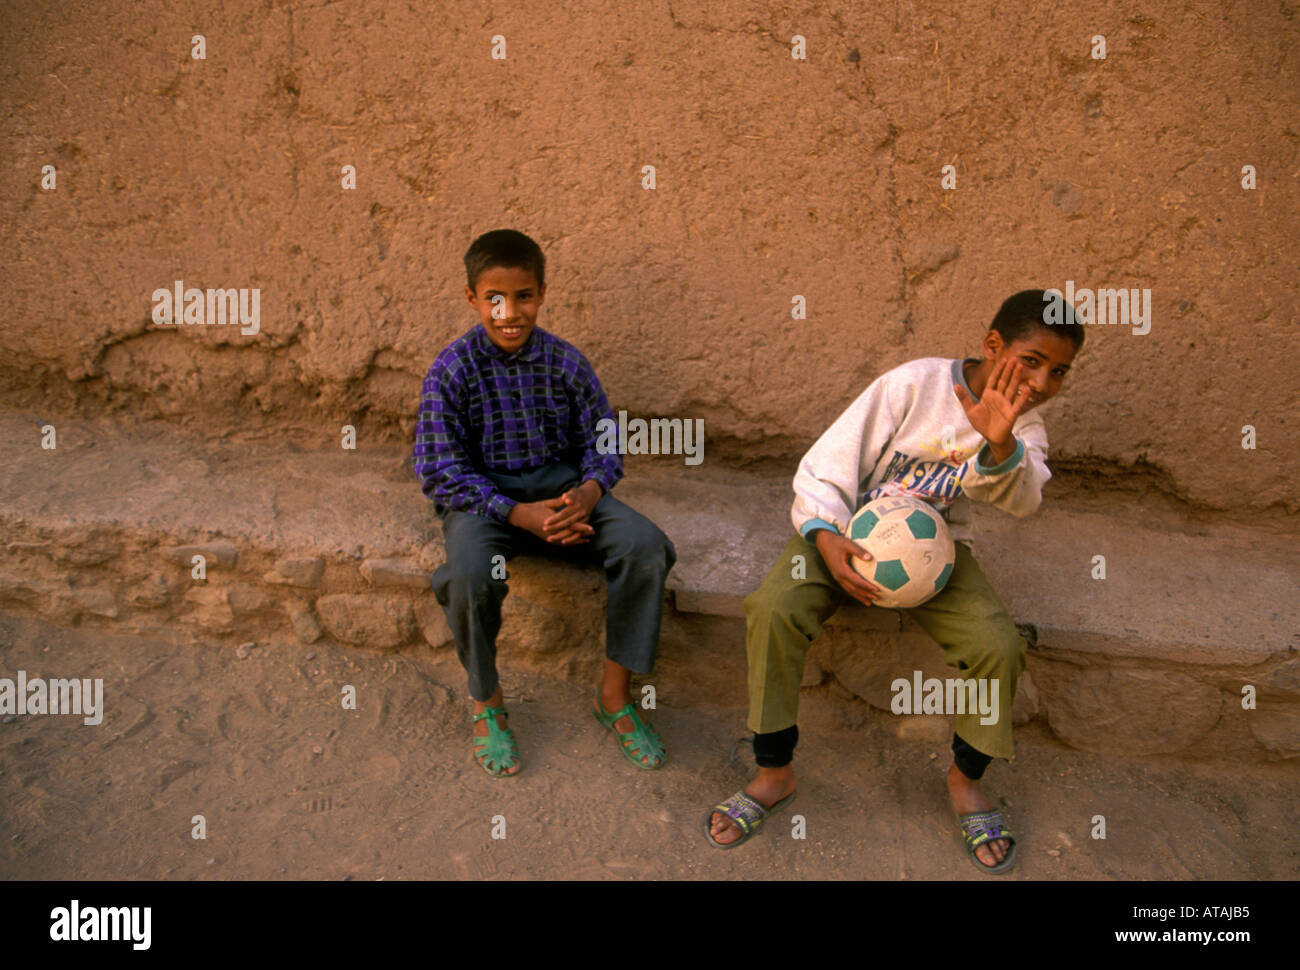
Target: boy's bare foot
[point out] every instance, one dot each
(967, 796)
(769, 786)
(481, 727)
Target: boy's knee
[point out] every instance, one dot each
(1005, 648)
(756, 603)
(644, 542)
(774, 602)
(473, 576)
(654, 546)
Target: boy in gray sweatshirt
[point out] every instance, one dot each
(946, 432)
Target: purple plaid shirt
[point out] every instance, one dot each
(482, 410)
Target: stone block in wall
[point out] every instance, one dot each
(406, 573)
(366, 620)
(220, 553)
(303, 572)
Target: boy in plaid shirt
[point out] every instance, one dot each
(506, 447)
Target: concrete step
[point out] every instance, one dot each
(326, 542)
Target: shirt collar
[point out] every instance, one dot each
(532, 350)
(959, 374)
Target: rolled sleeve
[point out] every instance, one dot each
(498, 506)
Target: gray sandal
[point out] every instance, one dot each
(746, 812)
(980, 828)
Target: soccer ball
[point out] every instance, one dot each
(911, 549)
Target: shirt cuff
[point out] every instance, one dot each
(604, 476)
(498, 507)
(814, 524)
(1006, 466)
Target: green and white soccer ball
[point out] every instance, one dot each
(911, 549)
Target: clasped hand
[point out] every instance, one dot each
(561, 520)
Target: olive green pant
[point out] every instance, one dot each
(967, 619)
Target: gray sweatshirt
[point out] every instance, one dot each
(907, 434)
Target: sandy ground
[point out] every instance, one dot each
(292, 786)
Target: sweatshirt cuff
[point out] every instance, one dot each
(813, 524)
(1006, 466)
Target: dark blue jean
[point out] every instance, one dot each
(634, 553)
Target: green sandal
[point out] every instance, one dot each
(498, 746)
(642, 739)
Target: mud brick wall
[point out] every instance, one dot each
(775, 177)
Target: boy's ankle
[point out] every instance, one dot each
(614, 702)
(780, 775)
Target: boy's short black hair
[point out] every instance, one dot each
(503, 247)
(1024, 311)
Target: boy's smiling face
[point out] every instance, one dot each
(507, 299)
(1044, 359)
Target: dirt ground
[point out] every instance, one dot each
(293, 786)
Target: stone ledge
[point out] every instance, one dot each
(340, 544)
